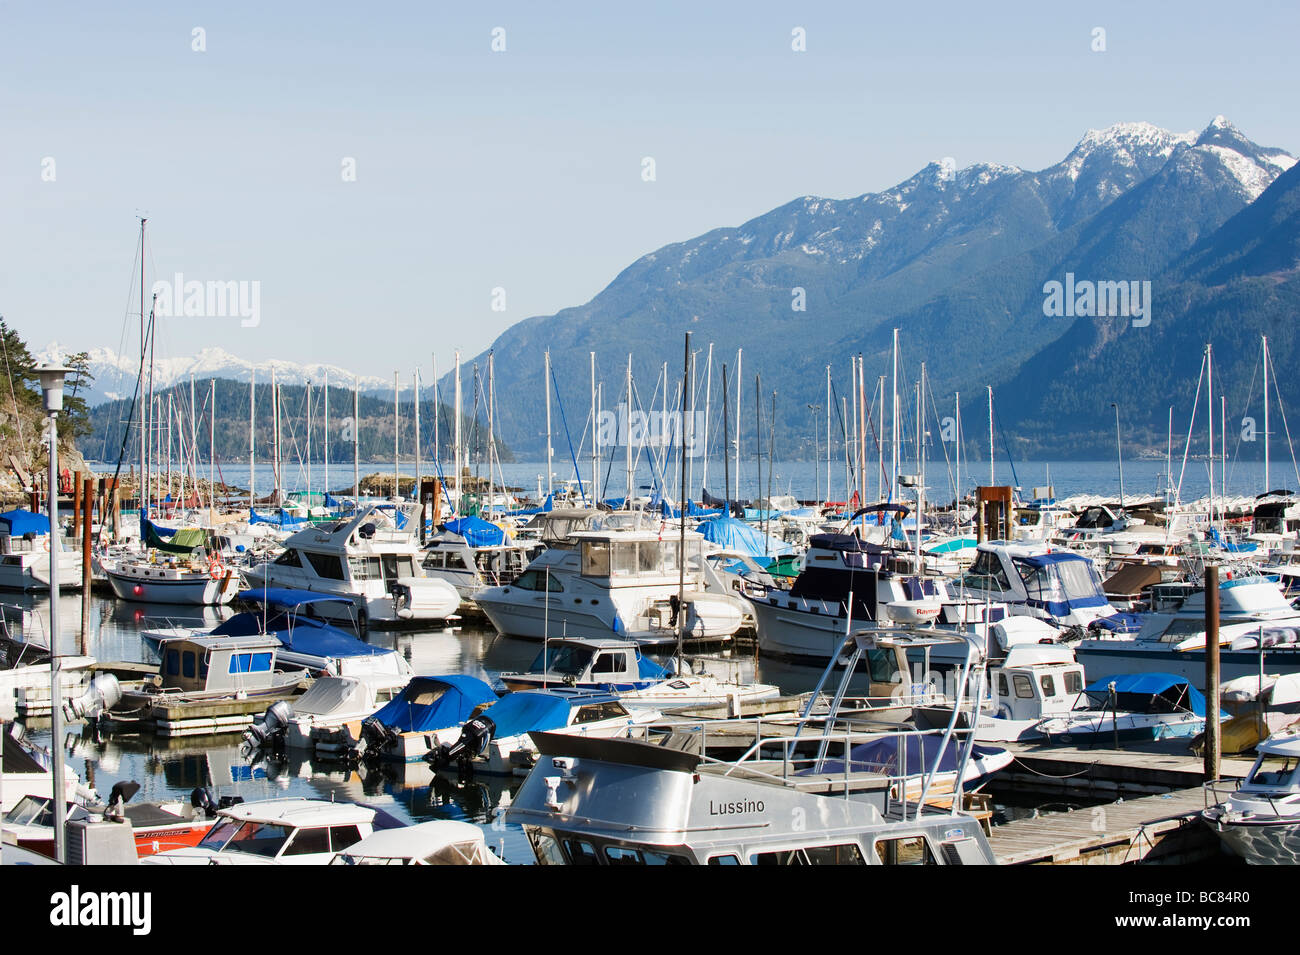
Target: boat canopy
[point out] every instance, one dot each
(477, 532)
(525, 711)
(732, 534)
(20, 522)
(281, 519)
(1148, 693)
(185, 540)
(435, 702)
(289, 597)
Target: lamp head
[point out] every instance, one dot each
(51, 376)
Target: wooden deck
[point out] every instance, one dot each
(1136, 770)
(1153, 829)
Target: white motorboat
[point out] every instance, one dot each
(1260, 821)
(471, 553)
(440, 842)
(373, 558)
(25, 544)
(615, 583)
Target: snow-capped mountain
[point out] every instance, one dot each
(115, 374)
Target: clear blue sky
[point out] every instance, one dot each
(522, 169)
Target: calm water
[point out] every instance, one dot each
(806, 479)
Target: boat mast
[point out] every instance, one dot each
(956, 504)
(212, 454)
(418, 496)
(1264, 344)
(1209, 357)
(894, 420)
(827, 498)
(356, 441)
(627, 438)
(726, 458)
(595, 442)
(142, 493)
(739, 355)
(252, 438)
(681, 508)
(326, 440)
(880, 441)
(546, 387)
(491, 415)
(456, 506)
(397, 426)
(992, 462)
(308, 445)
(708, 401)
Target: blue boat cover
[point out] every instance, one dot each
(477, 532)
(1119, 623)
(1174, 689)
(647, 669)
(737, 535)
(435, 702)
(526, 711)
(20, 522)
(289, 597)
(281, 520)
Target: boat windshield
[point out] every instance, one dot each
(219, 835)
(258, 838)
(31, 811)
(986, 574)
(1063, 580)
(567, 660)
(1275, 774)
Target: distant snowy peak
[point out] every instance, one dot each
(115, 374)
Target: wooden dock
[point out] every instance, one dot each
(1164, 829)
(1137, 770)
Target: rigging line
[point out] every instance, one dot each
(1236, 450)
(1196, 401)
(126, 434)
(568, 437)
(952, 482)
(1282, 408)
(997, 416)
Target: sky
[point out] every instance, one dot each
(396, 181)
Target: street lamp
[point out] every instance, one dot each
(51, 377)
(1119, 452)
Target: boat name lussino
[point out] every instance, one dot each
(735, 808)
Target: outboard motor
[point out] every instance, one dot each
(201, 800)
(271, 727)
(119, 796)
(377, 737)
(472, 742)
(102, 695)
(401, 601)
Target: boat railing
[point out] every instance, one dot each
(760, 760)
(1217, 791)
(168, 623)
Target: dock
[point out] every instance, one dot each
(1139, 769)
(1164, 829)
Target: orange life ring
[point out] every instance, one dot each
(46, 544)
(215, 569)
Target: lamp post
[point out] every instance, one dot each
(51, 377)
(1119, 452)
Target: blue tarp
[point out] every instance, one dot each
(1230, 547)
(22, 522)
(289, 597)
(526, 711)
(1119, 623)
(1175, 689)
(737, 535)
(477, 532)
(649, 670)
(282, 519)
(319, 639)
(451, 700)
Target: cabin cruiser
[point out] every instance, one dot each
(470, 554)
(617, 666)
(1055, 585)
(497, 740)
(25, 544)
(1260, 820)
(427, 713)
(1034, 682)
(305, 641)
(1134, 707)
(1252, 611)
(848, 580)
(372, 558)
(615, 583)
(280, 832)
(324, 721)
(1042, 521)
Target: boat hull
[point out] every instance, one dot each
(200, 590)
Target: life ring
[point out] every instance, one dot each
(46, 544)
(215, 568)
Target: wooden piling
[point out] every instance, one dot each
(1212, 731)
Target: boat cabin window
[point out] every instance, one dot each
(546, 849)
(595, 559)
(570, 660)
(1073, 681)
(31, 811)
(538, 580)
(250, 663)
(986, 573)
(309, 842)
(581, 853)
(289, 558)
(847, 854)
(913, 850)
(594, 712)
(1004, 690)
(1024, 686)
(724, 860)
(341, 837)
(626, 855)
(328, 566)
(172, 663)
(1048, 684)
(1275, 774)
(610, 663)
(188, 664)
(398, 565)
(259, 838)
(456, 561)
